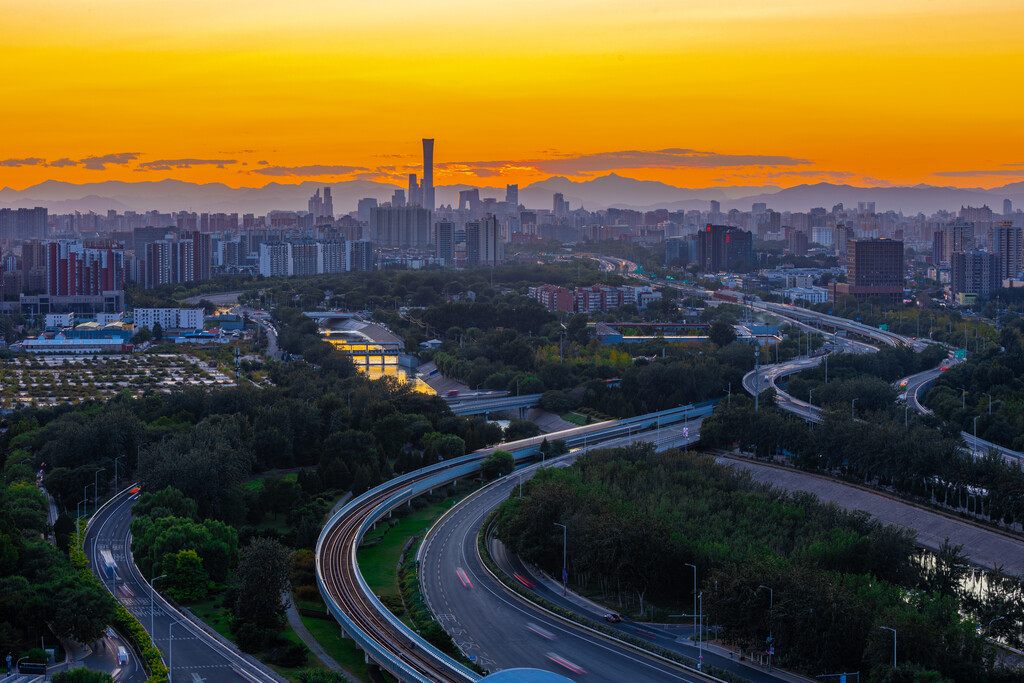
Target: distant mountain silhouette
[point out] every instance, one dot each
(596, 193)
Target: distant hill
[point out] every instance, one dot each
(596, 193)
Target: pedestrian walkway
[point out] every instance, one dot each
(314, 645)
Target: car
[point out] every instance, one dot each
(122, 656)
(612, 618)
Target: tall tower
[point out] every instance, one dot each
(427, 186)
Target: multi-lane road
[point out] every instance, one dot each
(192, 653)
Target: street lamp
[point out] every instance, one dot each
(989, 629)
(96, 487)
(170, 654)
(853, 406)
(963, 398)
(694, 589)
(976, 435)
(152, 603)
(771, 610)
(893, 644)
(565, 574)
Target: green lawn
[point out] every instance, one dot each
(379, 562)
(575, 418)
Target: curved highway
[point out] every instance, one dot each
(502, 632)
(389, 642)
(196, 654)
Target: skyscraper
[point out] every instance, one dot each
(973, 272)
(512, 195)
(1007, 207)
(328, 204)
(400, 226)
(492, 248)
(415, 192)
(720, 247)
(427, 186)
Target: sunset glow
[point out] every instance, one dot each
(690, 93)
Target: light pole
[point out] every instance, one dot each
(771, 610)
(893, 644)
(700, 633)
(963, 398)
(853, 407)
(170, 654)
(96, 487)
(989, 629)
(976, 435)
(694, 587)
(152, 603)
(565, 574)
(120, 457)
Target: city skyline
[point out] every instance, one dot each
(691, 96)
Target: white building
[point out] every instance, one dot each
(59, 320)
(814, 295)
(169, 318)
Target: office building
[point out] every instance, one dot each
(973, 273)
(427, 186)
(363, 209)
(444, 241)
(415, 192)
(1007, 207)
(723, 248)
(875, 268)
(512, 195)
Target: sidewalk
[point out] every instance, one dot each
(314, 646)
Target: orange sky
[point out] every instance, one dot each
(254, 91)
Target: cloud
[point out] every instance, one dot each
(264, 163)
(168, 164)
(99, 163)
(28, 161)
(582, 164)
(309, 171)
(970, 174)
(61, 163)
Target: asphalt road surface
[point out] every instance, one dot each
(193, 654)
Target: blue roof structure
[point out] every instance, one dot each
(525, 676)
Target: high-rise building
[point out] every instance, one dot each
(974, 272)
(938, 246)
(473, 243)
(721, 247)
(444, 241)
(360, 255)
(715, 211)
(559, 207)
(76, 269)
(875, 268)
(398, 198)
(1007, 245)
(1007, 207)
(798, 243)
(275, 259)
(469, 199)
(427, 186)
(363, 209)
(400, 226)
(864, 208)
(492, 246)
(512, 195)
(24, 224)
(333, 256)
(961, 237)
(328, 205)
(200, 254)
(415, 192)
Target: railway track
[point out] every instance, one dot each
(362, 616)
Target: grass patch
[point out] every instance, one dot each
(575, 418)
(214, 614)
(343, 651)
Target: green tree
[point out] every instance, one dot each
(186, 578)
(262, 579)
(82, 675)
(497, 464)
(721, 333)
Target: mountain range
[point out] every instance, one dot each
(598, 193)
